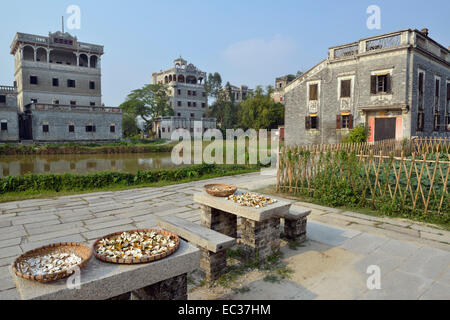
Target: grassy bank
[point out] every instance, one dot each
(52, 185)
(439, 220)
(89, 148)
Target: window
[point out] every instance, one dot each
(380, 84)
(112, 128)
(311, 122)
(2, 99)
(179, 92)
(194, 93)
(56, 102)
(73, 103)
(55, 82)
(194, 104)
(421, 90)
(189, 103)
(33, 80)
(203, 94)
(420, 120)
(45, 128)
(4, 125)
(33, 100)
(71, 128)
(437, 118)
(447, 109)
(71, 83)
(189, 92)
(179, 114)
(344, 121)
(163, 129)
(92, 104)
(192, 115)
(203, 105)
(90, 128)
(313, 92)
(92, 85)
(346, 88)
(179, 103)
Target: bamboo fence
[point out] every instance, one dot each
(414, 173)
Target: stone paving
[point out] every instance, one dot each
(412, 267)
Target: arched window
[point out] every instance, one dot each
(41, 55)
(170, 78)
(174, 77)
(83, 60)
(181, 78)
(166, 79)
(28, 53)
(191, 80)
(94, 61)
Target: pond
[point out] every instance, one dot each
(88, 163)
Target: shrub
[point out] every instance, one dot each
(358, 135)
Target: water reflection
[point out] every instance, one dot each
(21, 165)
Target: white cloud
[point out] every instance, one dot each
(259, 61)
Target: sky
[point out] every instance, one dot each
(248, 42)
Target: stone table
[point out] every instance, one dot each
(260, 227)
(164, 279)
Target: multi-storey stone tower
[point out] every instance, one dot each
(57, 70)
(188, 97)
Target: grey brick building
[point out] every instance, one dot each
(9, 121)
(188, 99)
(398, 84)
(58, 90)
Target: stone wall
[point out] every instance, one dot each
(9, 114)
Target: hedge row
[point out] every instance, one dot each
(75, 182)
(81, 149)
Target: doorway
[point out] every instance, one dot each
(385, 128)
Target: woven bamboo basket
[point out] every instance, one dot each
(220, 190)
(142, 260)
(84, 252)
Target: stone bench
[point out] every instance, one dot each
(295, 222)
(212, 244)
(164, 279)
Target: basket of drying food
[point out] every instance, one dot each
(52, 262)
(136, 246)
(220, 190)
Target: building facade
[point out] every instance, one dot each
(165, 126)
(187, 97)
(58, 90)
(237, 94)
(397, 84)
(9, 121)
(280, 85)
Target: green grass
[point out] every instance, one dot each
(439, 221)
(43, 194)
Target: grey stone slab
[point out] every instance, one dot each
(41, 224)
(261, 214)
(7, 283)
(6, 261)
(296, 212)
(429, 229)
(398, 248)
(34, 218)
(172, 211)
(10, 251)
(10, 294)
(200, 236)
(428, 263)
(445, 238)
(53, 228)
(95, 234)
(398, 229)
(333, 236)
(77, 217)
(399, 285)
(5, 223)
(116, 222)
(147, 224)
(56, 234)
(386, 262)
(10, 242)
(438, 291)
(108, 208)
(27, 246)
(364, 243)
(101, 280)
(445, 279)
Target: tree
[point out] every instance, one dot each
(260, 112)
(129, 125)
(149, 102)
(299, 73)
(213, 85)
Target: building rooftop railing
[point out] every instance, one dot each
(9, 89)
(59, 107)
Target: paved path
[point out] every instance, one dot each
(412, 268)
